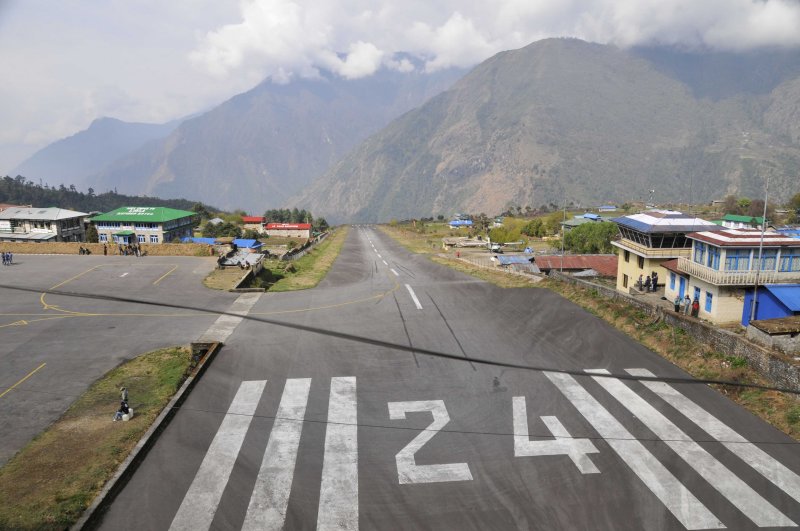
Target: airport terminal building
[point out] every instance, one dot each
(130, 225)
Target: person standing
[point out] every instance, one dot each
(687, 305)
(677, 303)
(640, 282)
(655, 281)
(696, 308)
(647, 283)
(105, 250)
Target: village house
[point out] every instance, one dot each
(722, 268)
(21, 224)
(130, 225)
(289, 230)
(648, 239)
(733, 221)
(255, 223)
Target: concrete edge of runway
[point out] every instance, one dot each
(94, 513)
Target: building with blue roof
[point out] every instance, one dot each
(774, 301)
(648, 239)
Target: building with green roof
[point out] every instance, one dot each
(129, 225)
(735, 221)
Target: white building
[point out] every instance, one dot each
(21, 224)
(723, 265)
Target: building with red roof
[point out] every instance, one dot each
(255, 223)
(289, 230)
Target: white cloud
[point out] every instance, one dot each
(67, 63)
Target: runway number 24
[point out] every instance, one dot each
(408, 471)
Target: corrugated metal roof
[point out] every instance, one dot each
(506, 260)
(788, 294)
(744, 219)
(145, 214)
(40, 214)
(744, 238)
(657, 221)
(604, 264)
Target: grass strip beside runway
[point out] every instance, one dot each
(697, 358)
(308, 271)
(49, 483)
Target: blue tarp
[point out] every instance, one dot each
(461, 223)
(788, 294)
(507, 260)
(208, 241)
(247, 244)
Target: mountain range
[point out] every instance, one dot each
(563, 120)
(560, 120)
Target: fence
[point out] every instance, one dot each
(772, 366)
(301, 252)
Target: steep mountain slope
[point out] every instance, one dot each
(73, 159)
(566, 120)
(260, 147)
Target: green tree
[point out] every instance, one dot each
(91, 234)
(591, 238)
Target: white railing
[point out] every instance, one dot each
(735, 278)
(651, 252)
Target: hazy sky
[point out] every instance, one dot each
(67, 62)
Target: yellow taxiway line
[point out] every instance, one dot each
(4, 393)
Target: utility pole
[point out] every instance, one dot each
(760, 250)
(563, 233)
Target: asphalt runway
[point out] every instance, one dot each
(53, 346)
(326, 410)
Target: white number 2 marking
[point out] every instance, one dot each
(408, 471)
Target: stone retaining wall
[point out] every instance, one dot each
(163, 249)
(780, 370)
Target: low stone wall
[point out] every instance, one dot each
(788, 343)
(780, 370)
(163, 249)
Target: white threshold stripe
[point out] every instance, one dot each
(201, 500)
(224, 326)
(270, 497)
(414, 297)
(338, 497)
(761, 461)
(744, 498)
(676, 498)
(395, 272)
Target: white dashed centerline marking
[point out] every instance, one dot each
(414, 297)
(395, 272)
(124, 274)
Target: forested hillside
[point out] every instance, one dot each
(20, 191)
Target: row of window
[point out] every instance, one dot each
(141, 238)
(740, 259)
(127, 225)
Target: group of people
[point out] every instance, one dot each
(8, 258)
(130, 249)
(686, 306)
(83, 250)
(648, 284)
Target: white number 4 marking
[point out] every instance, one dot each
(408, 471)
(563, 444)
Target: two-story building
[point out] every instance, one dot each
(724, 266)
(648, 239)
(255, 223)
(21, 224)
(129, 225)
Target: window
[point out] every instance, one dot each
(624, 281)
(141, 238)
(103, 238)
(790, 260)
(769, 257)
(696, 294)
(627, 256)
(671, 280)
(699, 252)
(709, 298)
(154, 238)
(641, 262)
(713, 257)
(737, 259)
